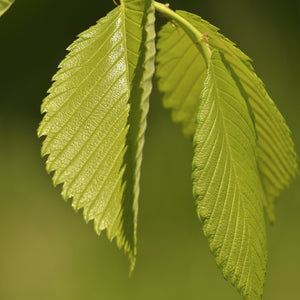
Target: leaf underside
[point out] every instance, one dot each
(94, 119)
(5, 5)
(180, 69)
(226, 182)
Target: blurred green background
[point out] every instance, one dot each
(47, 251)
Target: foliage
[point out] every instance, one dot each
(95, 119)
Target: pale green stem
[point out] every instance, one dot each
(195, 35)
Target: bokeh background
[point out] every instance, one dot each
(46, 249)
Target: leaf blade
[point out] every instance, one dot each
(5, 5)
(141, 86)
(226, 182)
(87, 121)
(181, 72)
(70, 109)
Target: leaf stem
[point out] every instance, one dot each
(200, 39)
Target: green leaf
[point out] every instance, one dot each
(181, 71)
(277, 161)
(5, 5)
(94, 119)
(139, 106)
(226, 182)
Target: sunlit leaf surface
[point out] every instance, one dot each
(94, 119)
(226, 182)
